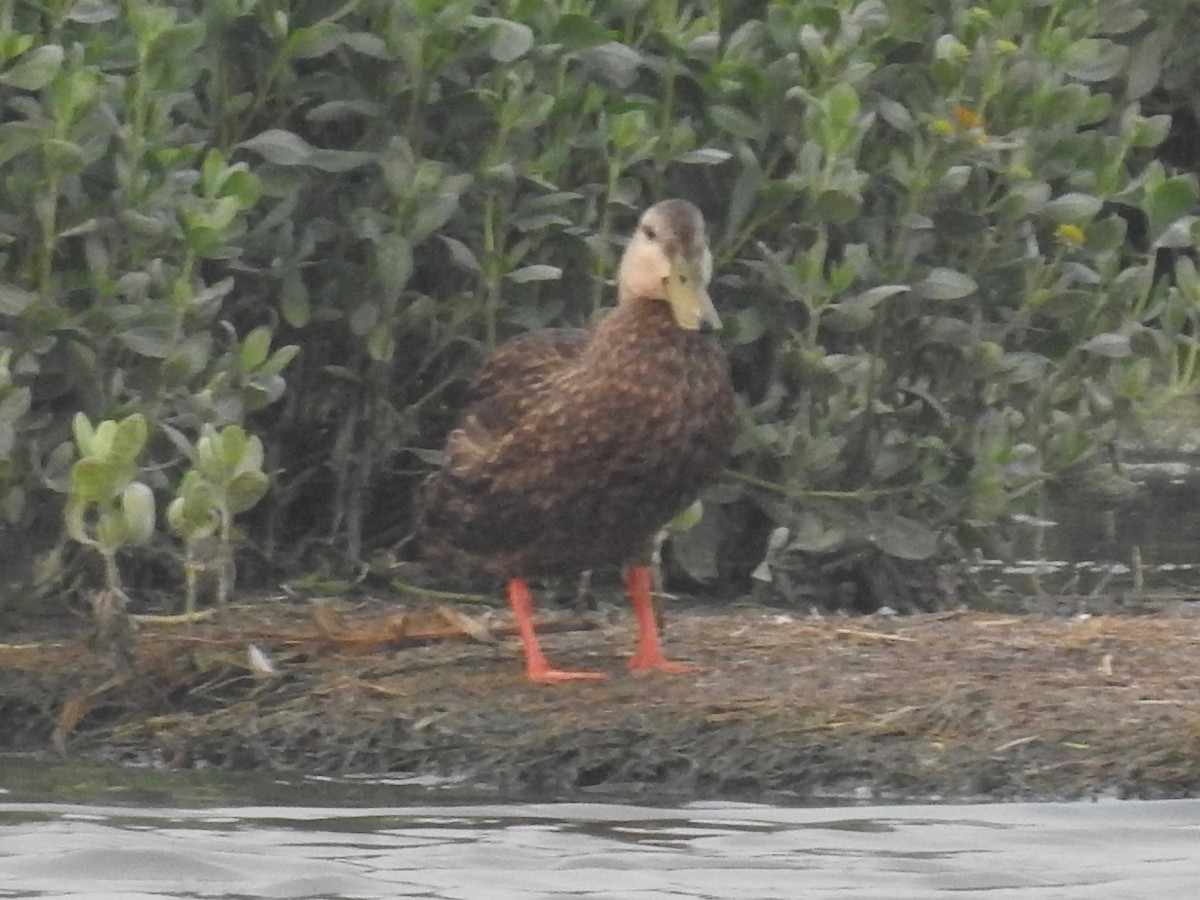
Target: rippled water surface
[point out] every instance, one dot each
(1111, 849)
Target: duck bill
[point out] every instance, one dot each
(690, 304)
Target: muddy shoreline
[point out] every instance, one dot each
(953, 705)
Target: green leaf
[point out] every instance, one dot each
(1105, 235)
(367, 44)
(1095, 59)
(34, 69)
(1113, 346)
(842, 105)
(704, 156)
(15, 300)
(17, 138)
(945, 284)
(316, 40)
(381, 342)
(255, 348)
(154, 342)
(16, 404)
(578, 32)
(1149, 131)
(539, 272)
(245, 490)
(745, 326)
(328, 160)
(613, 61)
(283, 148)
(1072, 208)
(193, 513)
(137, 508)
(510, 41)
(688, 518)
(91, 12)
(177, 519)
(209, 460)
(293, 299)
(814, 533)
(111, 532)
(178, 42)
(901, 537)
(279, 360)
(106, 433)
(393, 261)
(64, 156)
(695, 537)
(1169, 200)
(233, 441)
(896, 115)
(252, 455)
(95, 480)
(462, 255)
(872, 297)
(85, 435)
(130, 438)
(837, 206)
(433, 214)
(627, 130)
(948, 48)
(734, 121)
(74, 521)
(1146, 63)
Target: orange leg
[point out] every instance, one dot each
(537, 669)
(649, 652)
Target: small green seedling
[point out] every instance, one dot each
(108, 509)
(226, 478)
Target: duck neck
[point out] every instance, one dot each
(637, 321)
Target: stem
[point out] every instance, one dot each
(787, 491)
(449, 596)
(112, 575)
(492, 267)
(225, 563)
(189, 577)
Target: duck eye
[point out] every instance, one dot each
(649, 232)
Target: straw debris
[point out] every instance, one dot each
(962, 705)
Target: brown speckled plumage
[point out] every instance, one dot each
(578, 446)
(583, 462)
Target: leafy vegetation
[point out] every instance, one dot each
(955, 252)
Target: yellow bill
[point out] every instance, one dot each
(686, 293)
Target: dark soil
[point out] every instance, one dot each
(960, 705)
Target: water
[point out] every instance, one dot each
(1148, 539)
(1112, 849)
(136, 836)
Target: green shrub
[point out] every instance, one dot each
(951, 264)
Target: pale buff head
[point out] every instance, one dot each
(668, 259)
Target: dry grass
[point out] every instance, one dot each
(951, 704)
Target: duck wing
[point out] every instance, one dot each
(517, 368)
(453, 503)
(579, 467)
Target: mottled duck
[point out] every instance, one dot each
(578, 446)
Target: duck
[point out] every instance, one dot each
(577, 446)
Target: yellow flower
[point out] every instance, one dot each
(1069, 234)
(967, 118)
(942, 126)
